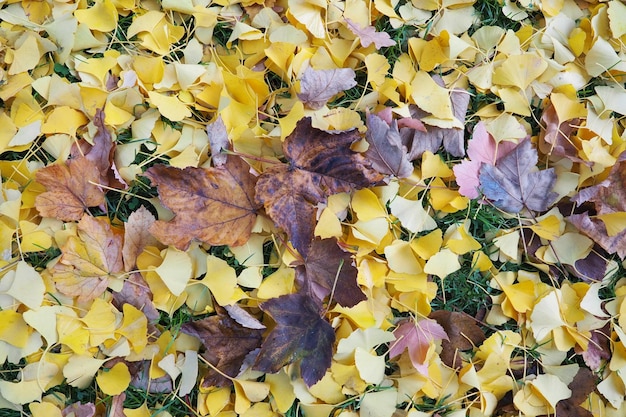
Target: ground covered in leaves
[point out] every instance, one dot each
(310, 208)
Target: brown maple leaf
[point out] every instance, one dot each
(226, 343)
(328, 270)
(463, 334)
(137, 293)
(300, 334)
(71, 189)
(214, 205)
(89, 259)
(320, 164)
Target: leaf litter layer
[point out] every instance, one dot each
(310, 208)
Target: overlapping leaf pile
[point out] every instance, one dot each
(312, 208)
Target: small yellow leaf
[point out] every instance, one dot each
(431, 97)
(221, 279)
(80, 370)
(27, 287)
(169, 106)
(115, 380)
(428, 245)
(412, 214)
(102, 16)
(44, 409)
(175, 270)
(443, 263)
(142, 411)
(13, 328)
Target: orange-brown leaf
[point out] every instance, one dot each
(214, 205)
(89, 260)
(71, 189)
(137, 236)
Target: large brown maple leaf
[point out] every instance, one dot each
(71, 189)
(214, 205)
(320, 164)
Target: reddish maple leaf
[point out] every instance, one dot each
(71, 189)
(214, 205)
(226, 344)
(300, 334)
(481, 149)
(320, 164)
(329, 270)
(416, 336)
(514, 183)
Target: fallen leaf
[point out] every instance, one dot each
(584, 383)
(555, 139)
(320, 164)
(330, 271)
(514, 184)
(218, 140)
(368, 35)
(226, 344)
(89, 260)
(481, 148)
(79, 409)
(386, 151)
(114, 381)
(416, 336)
(71, 189)
(418, 141)
(137, 236)
(300, 334)
(463, 334)
(214, 205)
(319, 86)
(136, 292)
(103, 149)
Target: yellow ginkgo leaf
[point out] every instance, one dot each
(102, 16)
(221, 279)
(519, 70)
(281, 390)
(27, 285)
(377, 68)
(134, 327)
(401, 258)
(44, 409)
(169, 106)
(175, 270)
(80, 370)
(13, 328)
(567, 249)
(443, 263)
(33, 383)
(114, 381)
(431, 97)
(309, 14)
(412, 214)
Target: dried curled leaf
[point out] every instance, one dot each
(300, 334)
(71, 189)
(320, 164)
(218, 138)
(319, 86)
(514, 184)
(214, 205)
